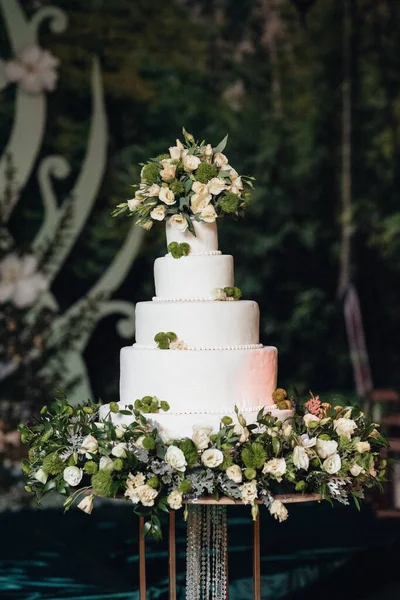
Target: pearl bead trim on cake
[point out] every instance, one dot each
(205, 299)
(233, 347)
(266, 407)
(206, 253)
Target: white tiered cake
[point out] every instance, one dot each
(222, 365)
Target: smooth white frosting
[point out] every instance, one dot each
(196, 381)
(210, 324)
(192, 276)
(205, 240)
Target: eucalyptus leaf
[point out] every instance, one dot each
(221, 146)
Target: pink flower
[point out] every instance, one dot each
(314, 405)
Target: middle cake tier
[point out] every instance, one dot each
(200, 381)
(200, 324)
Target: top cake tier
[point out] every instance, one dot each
(204, 242)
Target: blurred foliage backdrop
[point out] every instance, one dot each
(269, 72)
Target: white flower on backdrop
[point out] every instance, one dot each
(33, 69)
(20, 281)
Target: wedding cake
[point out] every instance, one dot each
(215, 361)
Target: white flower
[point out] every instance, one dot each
(158, 213)
(41, 476)
(362, 447)
(177, 151)
(175, 457)
(208, 151)
(73, 476)
(307, 442)
(220, 160)
(325, 448)
(153, 191)
(234, 473)
(243, 432)
(86, 504)
(248, 492)
(178, 345)
(106, 464)
(201, 436)
(216, 186)
(133, 203)
(190, 162)
(167, 435)
(201, 198)
(34, 70)
(147, 225)
(139, 442)
(89, 444)
(355, 470)
(146, 494)
(20, 282)
(309, 418)
(275, 467)
(167, 196)
(119, 432)
(300, 458)
(208, 214)
(278, 511)
(168, 172)
(178, 222)
(132, 483)
(175, 500)
(212, 458)
(119, 450)
(220, 294)
(332, 464)
(287, 429)
(344, 427)
(237, 186)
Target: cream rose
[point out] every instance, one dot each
(332, 464)
(175, 457)
(220, 160)
(147, 225)
(167, 196)
(325, 448)
(201, 436)
(243, 432)
(355, 470)
(146, 494)
(276, 467)
(237, 186)
(248, 492)
(300, 458)
(309, 418)
(208, 151)
(86, 504)
(168, 171)
(287, 429)
(178, 222)
(73, 476)
(234, 473)
(89, 444)
(344, 427)
(212, 458)
(133, 203)
(106, 464)
(190, 162)
(176, 152)
(41, 476)
(119, 450)
(278, 510)
(208, 214)
(216, 186)
(362, 447)
(175, 500)
(158, 213)
(178, 345)
(153, 191)
(307, 442)
(167, 435)
(201, 198)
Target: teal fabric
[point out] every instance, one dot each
(319, 553)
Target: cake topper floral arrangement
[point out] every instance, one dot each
(193, 181)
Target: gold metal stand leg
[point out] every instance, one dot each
(256, 559)
(227, 570)
(142, 561)
(172, 556)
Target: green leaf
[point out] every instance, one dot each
(221, 146)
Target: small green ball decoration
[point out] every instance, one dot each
(101, 483)
(185, 486)
(325, 437)
(153, 482)
(171, 336)
(114, 408)
(150, 173)
(149, 443)
(53, 464)
(164, 344)
(159, 336)
(250, 473)
(177, 187)
(87, 410)
(226, 420)
(237, 293)
(205, 172)
(300, 486)
(229, 291)
(279, 394)
(90, 467)
(185, 249)
(118, 464)
(164, 405)
(229, 203)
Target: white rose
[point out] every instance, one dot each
(89, 444)
(278, 511)
(176, 151)
(201, 436)
(237, 186)
(158, 213)
(249, 492)
(234, 473)
(363, 447)
(106, 464)
(41, 476)
(153, 191)
(208, 214)
(178, 222)
(175, 500)
(86, 504)
(275, 467)
(287, 429)
(300, 458)
(220, 160)
(190, 162)
(146, 494)
(167, 196)
(325, 448)
(243, 432)
(307, 442)
(73, 476)
(216, 186)
(119, 432)
(167, 435)
(309, 418)
(198, 202)
(119, 450)
(178, 345)
(139, 442)
(147, 225)
(332, 464)
(212, 458)
(133, 203)
(168, 172)
(134, 481)
(344, 427)
(175, 457)
(355, 470)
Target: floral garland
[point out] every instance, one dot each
(333, 451)
(193, 181)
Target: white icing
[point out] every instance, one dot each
(206, 237)
(187, 347)
(194, 381)
(209, 253)
(192, 276)
(200, 324)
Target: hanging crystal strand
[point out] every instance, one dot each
(193, 566)
(219, 543)
(206, 552)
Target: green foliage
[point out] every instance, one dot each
(190, 451)
(102, 482)
(254, 455)
(53, 464)
(91, 467)
(177, 187)
(229, 203)
(205, 172)
(151, 173)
